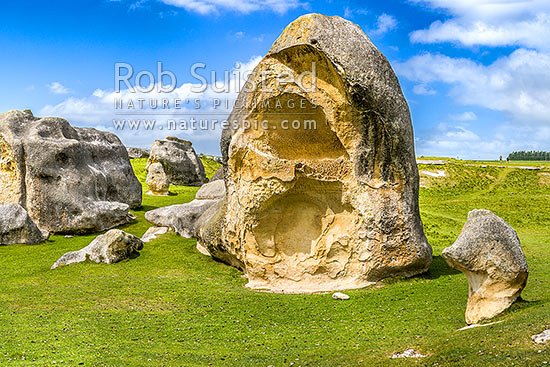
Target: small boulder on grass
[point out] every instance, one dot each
(111, 247)
(157, 180)
(17, 227)
(489, 254)
(340, 296)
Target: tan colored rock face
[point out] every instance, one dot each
(10, 175)
(157, 180)
(329, 208)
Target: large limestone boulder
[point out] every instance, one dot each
(328, 207)
(68, 179)
(157, 180)
(489, 253)
(113, 246)
(17, 227)
(179, 160)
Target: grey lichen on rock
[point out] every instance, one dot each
(329, 208)
(179, 160)
(488, 252)
(16, 227)
(113, 246)
(69, 179)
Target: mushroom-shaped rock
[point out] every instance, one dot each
(113, 246)
(489, 253)
(17, 227)
(157, 180)
(322, 193)
(179, 161)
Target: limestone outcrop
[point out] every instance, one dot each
(330, 202)
(17, 227)
(179, 161)
(113, 246)
(68, 179)
(489, 254)
(157, 180)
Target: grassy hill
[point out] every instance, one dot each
(172, 306)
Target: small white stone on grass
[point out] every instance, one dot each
(478, 325)
(340, 295)
(408, 353)
(542, 338)
(153, 232)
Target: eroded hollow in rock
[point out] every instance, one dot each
(294, 129)
(330, 207)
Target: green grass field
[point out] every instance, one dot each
(172, 306)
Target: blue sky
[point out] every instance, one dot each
(476, 73)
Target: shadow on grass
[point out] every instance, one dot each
(134, 255)
(438, 268)
(146, 208)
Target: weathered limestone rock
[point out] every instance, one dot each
(17, 227)
(325, 208)
(218, 175)
(489, 253)
(179, 160)
(157, 180)
(181, 217)
(134, 153)
(68, 179)
(113, 246)
(212, 190)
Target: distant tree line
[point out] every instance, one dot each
(529, 156)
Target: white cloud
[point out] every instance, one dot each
(518, 84)
(489, 22)
(57, 88)
(384, 24)
(98, 110)
(458, 141)
(465, 116)
(241, 6)
(423, 90)
(350, 13)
